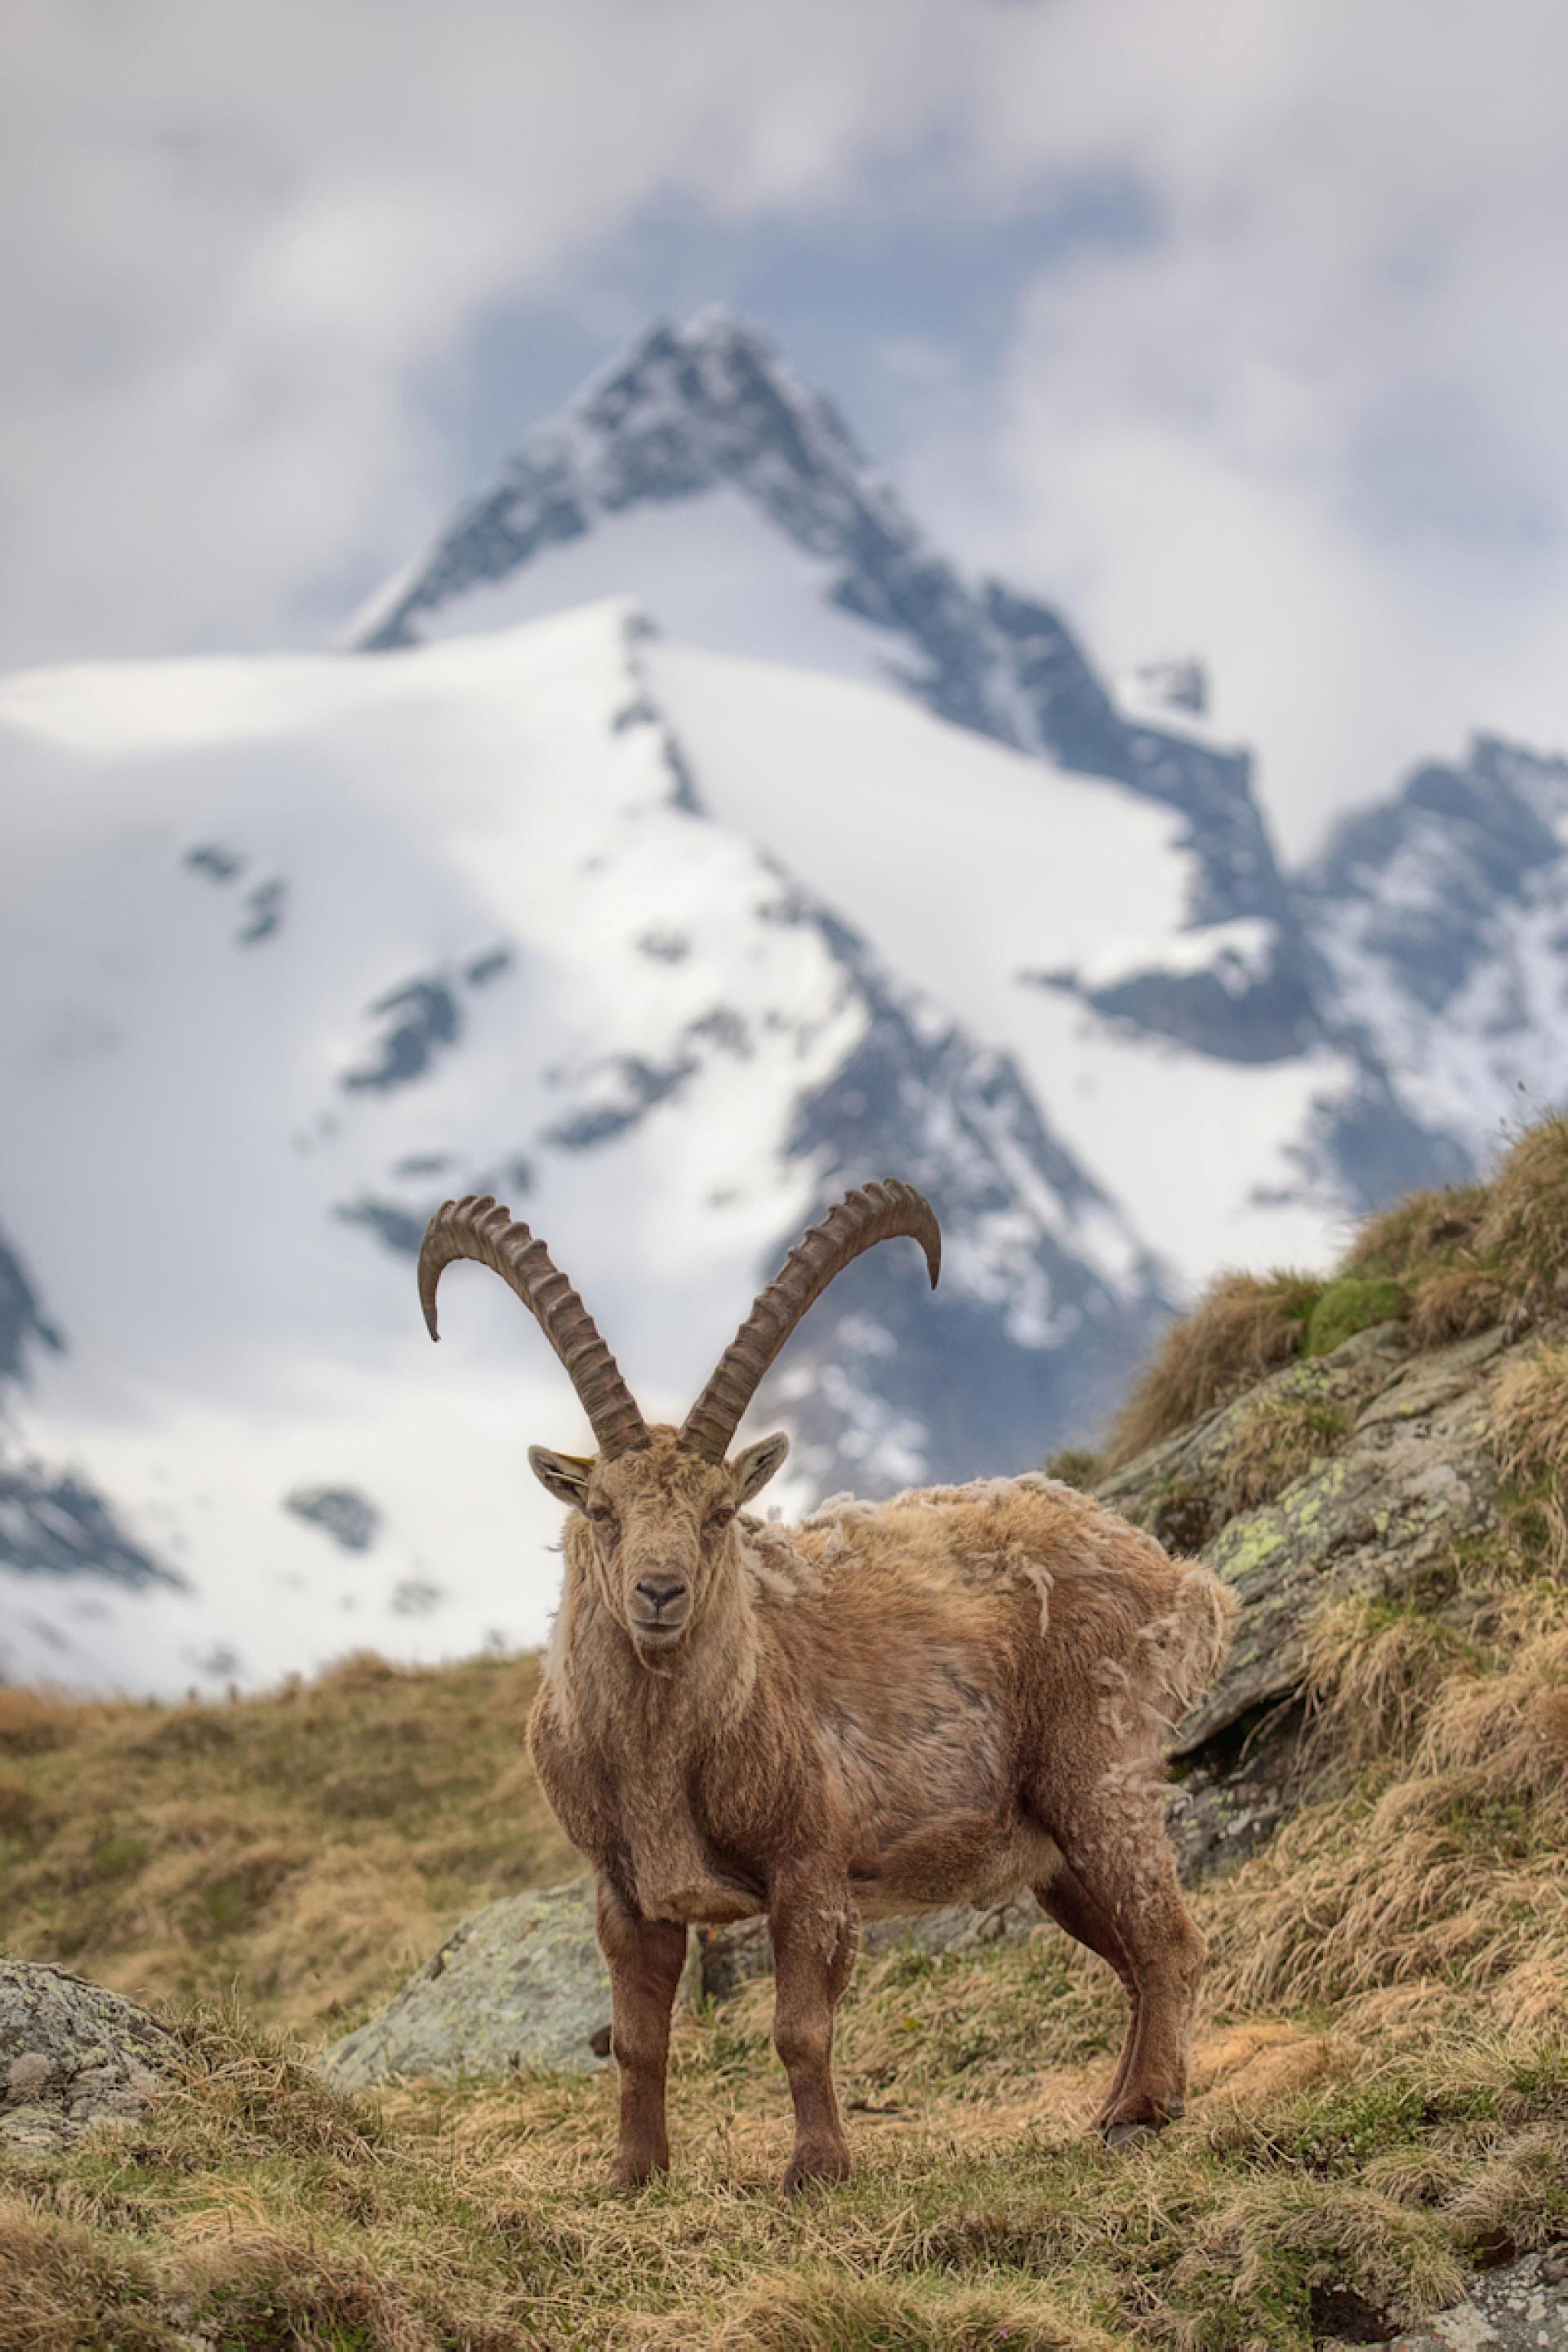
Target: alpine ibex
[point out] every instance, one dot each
(948, 1696)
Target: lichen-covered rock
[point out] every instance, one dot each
(1521, 2307)
(521, 1983)
(72, 2054)
(1411, 1477)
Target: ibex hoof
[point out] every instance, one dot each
(1128, 2134)
(816, 2169)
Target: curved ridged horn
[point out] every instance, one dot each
(870, 1213)
(477, 1228)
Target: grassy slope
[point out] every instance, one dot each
(1380, 2077)
(306, 1850)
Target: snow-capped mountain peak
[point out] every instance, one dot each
(700, 473)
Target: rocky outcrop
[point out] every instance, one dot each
(520, 1984)
(72, 2055)
(1407, 1477)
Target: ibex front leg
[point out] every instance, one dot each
(816, 1931)
(644, 1957)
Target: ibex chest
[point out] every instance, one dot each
(641, 1810)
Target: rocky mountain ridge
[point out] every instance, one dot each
(1357, 951)
(685, 412)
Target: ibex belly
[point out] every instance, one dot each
(934, 1802)
(965, 1858)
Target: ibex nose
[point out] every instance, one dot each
(662, 1592)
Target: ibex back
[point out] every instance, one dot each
(949, 1697)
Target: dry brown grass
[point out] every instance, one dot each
(309, 1847)
(1417, 1232)
(1457, 1302)
(1371, 1671)
(1380, 2093)
(1484, 1254)
(1524, 1227)
(1451, 1868)
(1244, 1328)
(1380, 2096)
(1530, 1434)
(257, 2213)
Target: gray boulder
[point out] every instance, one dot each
(72, 2055)
(521, 1983)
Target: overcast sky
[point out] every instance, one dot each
(1237, 325)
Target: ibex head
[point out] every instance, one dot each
(658, 1502)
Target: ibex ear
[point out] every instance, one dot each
(564, 1475)
(753, 1468)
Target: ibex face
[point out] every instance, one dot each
(659, 1517)
(660, 1501)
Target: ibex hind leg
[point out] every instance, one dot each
(1063, 1899)
(1113, 1840)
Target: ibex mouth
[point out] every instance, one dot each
(657, 1633)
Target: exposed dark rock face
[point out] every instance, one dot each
(52, 1523)
(419, 1022)
(350, 1519)
(1441, 919)
(52, 1520)
(23, 1322)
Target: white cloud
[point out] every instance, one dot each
(1314, 427)
(233, 237)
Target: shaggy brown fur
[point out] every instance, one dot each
(947, 1696)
